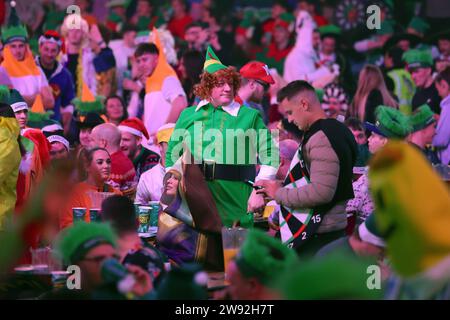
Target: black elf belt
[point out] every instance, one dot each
(231, 172)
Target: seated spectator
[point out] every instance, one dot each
(59, 145)
(97, 170)
(108, 136)
(115, 109)
(253, 274)
(359, 132)
(132, 132)
(150, 185)
(120, 212)
(390, 124)
(88, 246)
(423, 123)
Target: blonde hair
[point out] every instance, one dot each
(68, 23)
(370, 78)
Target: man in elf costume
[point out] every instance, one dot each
(19, 66)
(413, 215)
(10, 159)
(223, 169)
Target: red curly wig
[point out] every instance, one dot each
(208, 81)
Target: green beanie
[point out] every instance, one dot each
(76, 241)
(264, 257)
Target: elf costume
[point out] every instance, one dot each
(224, 176)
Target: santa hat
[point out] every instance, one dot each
(134, 126)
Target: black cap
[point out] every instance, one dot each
(91, 120)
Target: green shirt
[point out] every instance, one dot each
(229, 135)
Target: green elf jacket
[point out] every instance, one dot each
(230, 134)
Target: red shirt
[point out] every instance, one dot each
(177, 26)
(122, 169)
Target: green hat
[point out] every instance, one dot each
(263, 257)
(4, 94)
(16, 101)
(75, 242)
(88, 102)
(419, 24)
(330, 30)
(14, 30)
(368, 232)
(334, 276)
(422, 118)
(387, 27)
(418, 58)
(212, 62)
(390, 123)
(188, 282)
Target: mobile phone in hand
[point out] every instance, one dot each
(252, 184)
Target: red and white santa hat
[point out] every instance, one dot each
(134, 126)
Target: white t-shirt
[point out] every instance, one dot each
(150, 185)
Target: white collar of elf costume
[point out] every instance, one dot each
(232, 108)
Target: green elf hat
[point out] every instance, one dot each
(264, 257)
(334, 276)
(212, 62)
(419, 25)
(418, 59)
(422, 118)
(88, 102)
(38, 117)
(368, 232)
(390, 123)
(330, 30)
(75, 242)
(14, 30)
